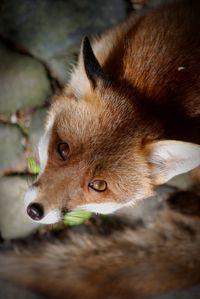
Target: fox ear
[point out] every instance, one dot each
(169, 158)
(88, 73)
(92, 67)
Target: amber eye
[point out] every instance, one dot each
(98, 185)
(63, 151)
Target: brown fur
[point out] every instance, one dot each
(196, 174)
(135, 260)
(153, 94)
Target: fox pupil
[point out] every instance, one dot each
(63, 151)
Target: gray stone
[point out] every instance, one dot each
(166, 189)
(11, 148)
(50, 30)
(37, 127)
(23, 81)
(14, 222)
(60, 66)
(144, 209)
(182, 182)
(189, 293)
(7, 291)
(153, 3)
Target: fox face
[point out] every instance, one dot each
(98, 151)
(87, 148)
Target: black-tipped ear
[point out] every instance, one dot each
(92, 67)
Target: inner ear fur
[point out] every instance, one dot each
(169, 158)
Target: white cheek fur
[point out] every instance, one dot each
(43, 149)
(102, 208)
(51, 217)
(32, 194)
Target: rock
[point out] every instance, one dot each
(23, 81)
(146, 208)
(14, 222)
(52, 30)
(60, 66)
(11, 149)
(166, 189)
(8, 291)
(153, 3)
(182, 182)
(37, 127)
(187, 293)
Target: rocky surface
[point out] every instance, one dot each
(191, 293)
(11, 148)
(56, 27)
(13, 218)
(8, 291)
(23, 81)
(183, 181)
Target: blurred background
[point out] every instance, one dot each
(39, 42)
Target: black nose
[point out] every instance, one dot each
(35, 211)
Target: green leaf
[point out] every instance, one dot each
(33, 167)
(76, 217)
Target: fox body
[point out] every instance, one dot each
(130, 259)
(128, 120)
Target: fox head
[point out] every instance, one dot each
(98, 151)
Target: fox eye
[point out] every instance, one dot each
(98, 185)
(63, 150)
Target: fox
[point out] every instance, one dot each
(131, 258)
(127, 121)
